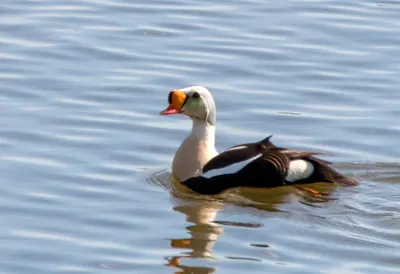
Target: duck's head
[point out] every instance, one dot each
(195, 102)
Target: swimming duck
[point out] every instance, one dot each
(198, 165)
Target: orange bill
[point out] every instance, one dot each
(176, 100)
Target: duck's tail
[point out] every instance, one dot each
(346, 180)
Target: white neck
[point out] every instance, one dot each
(204, 132)
(195, 151)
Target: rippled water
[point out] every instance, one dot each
(84, 154)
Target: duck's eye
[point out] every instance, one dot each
(196, 95)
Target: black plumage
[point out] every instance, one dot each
(269, 168)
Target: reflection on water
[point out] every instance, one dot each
(200, 213)
(196, 254)
(204, 228)
(203, 233)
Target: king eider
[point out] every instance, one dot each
(198, 165)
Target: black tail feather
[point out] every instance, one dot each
(346, 181)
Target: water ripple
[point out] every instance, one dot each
(85, 155)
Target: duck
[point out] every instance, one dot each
(261, 164)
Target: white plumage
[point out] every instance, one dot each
(233, 168)
(299, 169)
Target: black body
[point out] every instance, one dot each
(268, 170)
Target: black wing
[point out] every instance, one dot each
(268, 170)
(238, 154)
(267, 166)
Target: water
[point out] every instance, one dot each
(84, 154)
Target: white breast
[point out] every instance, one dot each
(299, 169)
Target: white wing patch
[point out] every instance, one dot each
(229, 169)
(299, 169)
(237, 148)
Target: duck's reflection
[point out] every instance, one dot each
(203, 233)
(204, 229)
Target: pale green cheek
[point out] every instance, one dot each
(195, 105)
